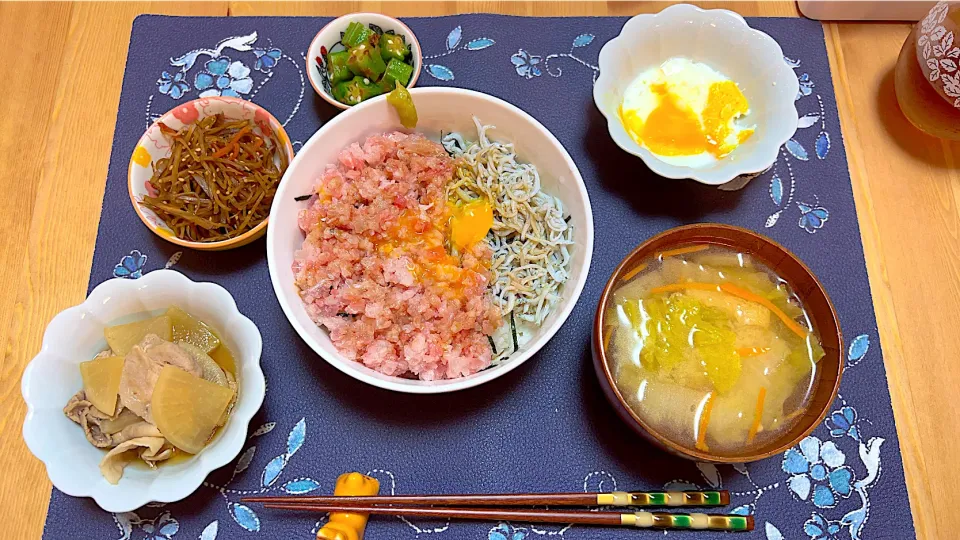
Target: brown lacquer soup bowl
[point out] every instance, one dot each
(820, 314)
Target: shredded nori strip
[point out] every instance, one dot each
(219, 180)
(449, 153)
(493, 346)
(513, 329)
(567, 219)
(299, 198)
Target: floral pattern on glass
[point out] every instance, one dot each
(941, 56)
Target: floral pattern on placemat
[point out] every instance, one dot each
(528, 65)
(224, 75)
(821, 489)
(812, 214)
(454, 43)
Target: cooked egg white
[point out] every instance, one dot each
(685, 112)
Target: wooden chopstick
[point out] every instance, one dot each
(646, 520)
(617, 498)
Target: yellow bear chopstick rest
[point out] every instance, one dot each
(348, 525)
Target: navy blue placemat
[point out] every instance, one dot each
(546, 426)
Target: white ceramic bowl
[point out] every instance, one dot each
(723, 40)
(447, 109)
(153, 145)
(76, 335)
(328, 38)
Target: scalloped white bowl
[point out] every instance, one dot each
(75, 335)
(723, 40)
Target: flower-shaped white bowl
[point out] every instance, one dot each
(329, 37)
(723, 40)
(153, 145)
(449, 110)
(76, 335)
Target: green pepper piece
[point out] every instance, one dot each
(365, 60)
(386, 85)
(397, 71)
(393, 46)
(355, 90)
(402, 101)
(368, 88)
(348, 92)
(337, 69)
(355, 34)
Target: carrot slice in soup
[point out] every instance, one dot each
(757, 416)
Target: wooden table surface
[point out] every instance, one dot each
(59, 91)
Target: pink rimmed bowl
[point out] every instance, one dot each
(153, 145)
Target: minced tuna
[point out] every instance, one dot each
(375, 270)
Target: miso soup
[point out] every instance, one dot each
(711, 349)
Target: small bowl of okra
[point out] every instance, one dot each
(360, 56)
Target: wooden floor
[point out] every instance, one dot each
(60, 86)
